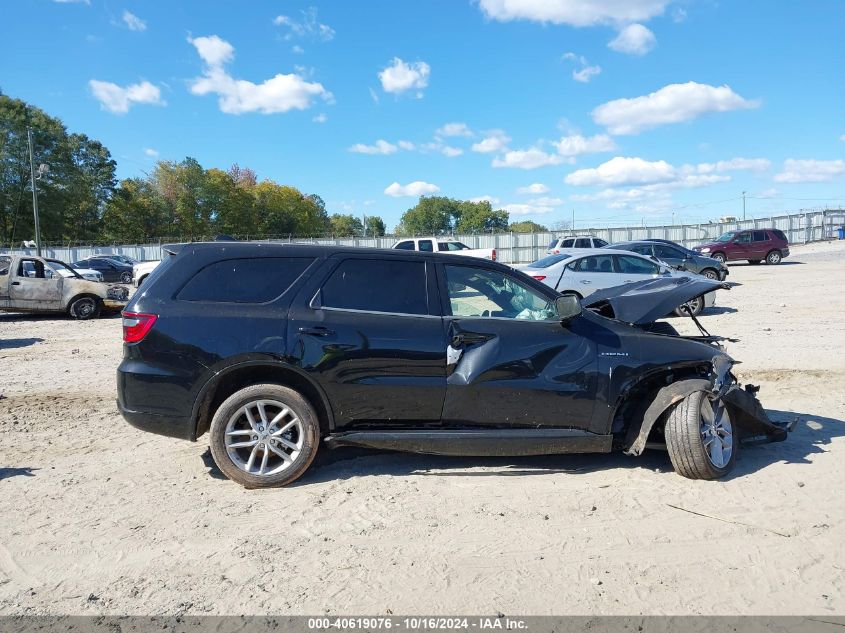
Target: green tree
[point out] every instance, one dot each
(479, 217)
(432, 215)
(527, 226)
(346, 226)
(135, 214)
(375, 226)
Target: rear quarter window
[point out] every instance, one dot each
(780, 235)
(254, 280)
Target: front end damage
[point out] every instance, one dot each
(753, 424)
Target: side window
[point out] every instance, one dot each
(667, 252)
(426, 246)
(32, 269)
(642, 249)
(583, 242)
(407, 245)
(376, 285)
(596, 264)
(636, 266)
(5, 264)
(567, 243)
(743, 238)
(255, 280)
(760, 236)
(478, 292)
(599, 243)
(779, 234)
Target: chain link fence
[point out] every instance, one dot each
(517, 248)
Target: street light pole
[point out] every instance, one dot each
(743, 204)
(34, 193)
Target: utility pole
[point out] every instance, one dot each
(573, 220)
(34, 193)
(743, 204)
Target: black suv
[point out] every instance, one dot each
(274, 349)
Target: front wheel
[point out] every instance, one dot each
(83, 308)
(710, 273)
(719, 257)
(126, 278)
(264, 436)
(773, 257)
(700, 437)
(693, 307)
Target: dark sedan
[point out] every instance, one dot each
(111, 269)
(677, 257)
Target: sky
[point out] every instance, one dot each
(608, 111)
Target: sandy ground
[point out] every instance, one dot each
(97, 517)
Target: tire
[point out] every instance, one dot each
(142, 280)
(696, 305)
(85, 307)
(774, 257)
(244, 464)
(126, 278)
(710, 273)
(696, 444)
(753, 262)
(719, 257)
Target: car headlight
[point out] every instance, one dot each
(705, 250)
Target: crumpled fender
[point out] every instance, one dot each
(666, 397)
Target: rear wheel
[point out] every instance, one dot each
(264, 436)
(693, 307)
(85, 307)
(719, 257)
(773, 257)
(700, 438)
(126, 278)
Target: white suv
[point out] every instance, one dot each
(577, 241)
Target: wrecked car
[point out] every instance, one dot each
(278, 350)
(36, 284)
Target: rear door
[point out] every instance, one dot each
(366, 331)
(670, 255)
(588, 274)
(511, 363)
(761, 244)
(632, 268)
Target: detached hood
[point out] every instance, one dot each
(643, 302)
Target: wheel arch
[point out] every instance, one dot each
(243, 374)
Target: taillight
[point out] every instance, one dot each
(539, 277)
(493, 256)
(557, 252)
(136, 325)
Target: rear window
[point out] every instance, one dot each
(599, 243)
(545, 262)
(254, 280)
(405, 246)
(780, 235)
(583, 242)
(553, 244)
(375, 285)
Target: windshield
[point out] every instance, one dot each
(63, 269)
(726, 237)
(545, 262)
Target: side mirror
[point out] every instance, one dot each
(665, 270)
(567, 307)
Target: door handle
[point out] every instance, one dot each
(469, 338)
(316, 331)
(16, 283)
(629, 281)
(585, 281)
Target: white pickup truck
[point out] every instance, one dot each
(444, 245)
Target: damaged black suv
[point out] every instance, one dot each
(275, 350)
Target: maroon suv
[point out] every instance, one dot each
(754, 245)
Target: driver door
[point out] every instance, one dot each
(510, 362)
(35, 286)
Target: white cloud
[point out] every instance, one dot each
(493, 141)
(576, 145)
(379, 147)
(373, 95)
(297, 49)
(213, 50)
(798, 170)
(634, 39)
(546, 201)
(280, 93)
(536, 188)
(842, 138)
(585, 72)
(490, 199)
(152, 153)
(451, 152)
(527, 209)
(133, 22)
(573, 12)
(412, 189)
(118, 100)
(309, 26)
(671, 104)
(400, 77)
(735, 164)
(454, 129)
(531, 158)
(406, 145)
(320, 118)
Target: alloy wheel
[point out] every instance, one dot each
(264, 437)
(716, 432)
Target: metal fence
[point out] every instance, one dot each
(516, 248)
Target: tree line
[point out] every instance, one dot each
(81, 200)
